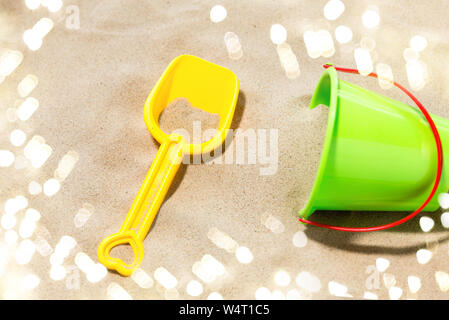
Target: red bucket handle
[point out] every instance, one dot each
(436, 135)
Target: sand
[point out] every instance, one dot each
(182, 118)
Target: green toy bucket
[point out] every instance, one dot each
(379, 154)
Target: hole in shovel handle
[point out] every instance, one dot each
(129, 238)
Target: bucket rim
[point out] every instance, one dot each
(328, 81)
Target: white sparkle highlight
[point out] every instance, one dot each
(30, 281)
(214, 296)
(382, 264)
(288, 61)
(370, 295)
(143, 279)
(244, 255)
(25, 252)
(423, 256)
(426, 224)
(274, 224)
(333, 9)
(34, 188)
(368, 43)
(418, 43)
(319, 43)
(66, 165)
(384, 75)
(17, 137)
(222, 240)
(299, 239)
(337, 289)
(11, 237)
(194, 288)
(165, 278)
(343, 34)
(395, 293)
(414, 284)
(282, 278)
(27, 85)
(389, 280)
(443, 200)
(43, 27)
(16, 204)
(218, 13)
(410, 55)
(233, 45)
(32, 40)
(278, 34)
(54, 5)
(262, 293)
(37, 151)
(27, 108)
(116, 292)
(277, 295)
(51, 187)
(442, 279)
(8, 221)
(32, 4)
(370, 18)
(363, 60)
(97, 273)
(445, 219)
(416, 74)
(308, 281)
(9, 61)
(6, 158)
(208, 268)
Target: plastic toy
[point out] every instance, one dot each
(206, 85)
(379, 154)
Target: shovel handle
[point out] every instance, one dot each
(145, 207)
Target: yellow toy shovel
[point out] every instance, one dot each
(207, 86)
